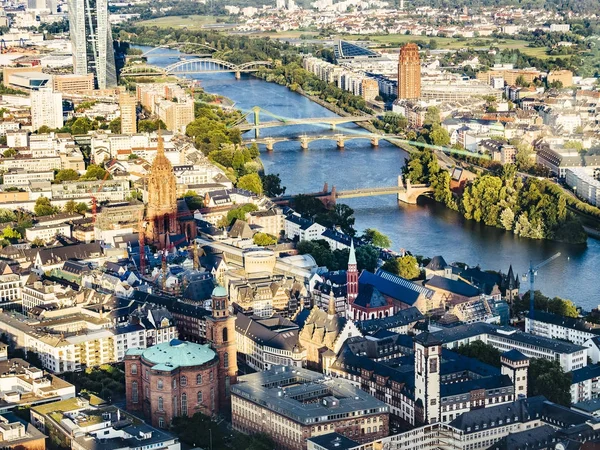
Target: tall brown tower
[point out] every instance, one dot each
(409, 72)
(162, 198)
(220, 332)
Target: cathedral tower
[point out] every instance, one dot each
(220, 332)
(162, 199)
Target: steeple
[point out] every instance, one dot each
(160, 149)
(352, 256)
(331, 310)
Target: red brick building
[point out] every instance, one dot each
(179, 378)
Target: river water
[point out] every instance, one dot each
(425, 229)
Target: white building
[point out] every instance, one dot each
(46, 109)
(303, 229)
(553, 326)
(47, 233)
(584, 184)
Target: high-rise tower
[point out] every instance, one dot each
(220, 332)
(428, 353)
(128, 106)
(162, 199)
(92, 43)
(409, 72)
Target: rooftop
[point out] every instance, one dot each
(171, 355)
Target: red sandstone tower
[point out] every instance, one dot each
(409, 72)
(352, 276)
(220, 332)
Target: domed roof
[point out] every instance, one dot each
(219, 291)
(171, 355)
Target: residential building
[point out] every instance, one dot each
(554, 326)
(10, 288)
(584, 184)
(409, 72)
(46, 109)
(128, 106)
(585, 384)
(301, 229)
(17, 434)
(92, 42)
(47, 233)
(294, 404)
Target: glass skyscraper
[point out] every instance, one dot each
(92, 42)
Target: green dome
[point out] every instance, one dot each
(219, 291)
(171, 355)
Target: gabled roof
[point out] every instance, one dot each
(394, 286)
(401, 318)
(457, 287)
(258, 331)
(369, 297)
(514, 355)
(585, 373)
(437, 263)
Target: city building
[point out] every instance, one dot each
(265, 343)
(409, 72)
(10, 288)
(22, 384)
(554, 326)
(92, 41)
(73, 83)
(17, 434)
(46, 109)
(292, 405)
(172, 379)
(584, 184)
(128, 106)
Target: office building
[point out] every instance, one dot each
(72, 83)
(46, 109)
(409, 72)
(128, 105)
(91, 38)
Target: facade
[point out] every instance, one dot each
(292, 405)
(409, 72)
(172, 379)
(584, 184)
(554, 326)
(128, 106)
(162, 199)
(73, 83)
(92, 42)
(17, 434)
(46, 109)
(10, 288)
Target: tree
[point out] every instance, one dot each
(306, 205)
(193, 200)
(432, 116)
(81, 126)
(66, 175)
(523, 156)
(70, 207)
(264, 239)
(392, 265)
(481, 351)
(149, 126)
(408, 267)
(43, 207)
(547, 378)
(44, 129)
(439, 136)
(81, 208)
(10, 233)
(94, 172)
(6, 215)
(9, 153)
(367, 257)
(115, 125)
(239, 213)
(272, 185)
(251, 182)
(37, 243)
(376, 238)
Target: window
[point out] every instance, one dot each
(199, 397)
(161, 422)
(147, 374)
(226, 360)
(159, 384)
(175, 406)
(225, 335)
(147, 392)
(212, 398)
(134, 369)
(160, 404)
(184, 380)
(134, 392)
(184, 409)
(211, 376)
(199, 378)
(174, 383)
(433, 365)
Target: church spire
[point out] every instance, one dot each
(352, 256)
(160, 150)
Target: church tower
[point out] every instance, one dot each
(220, 332)
(352, 275)
(162, 199)
(428, 354)
(516, 365)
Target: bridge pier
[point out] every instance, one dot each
(269, 144)
(304, 143)
(238, 75)
(340, 140)
(375, 141)
(332, 126)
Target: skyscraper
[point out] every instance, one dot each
(409, 72)
(92, 42)
(46, 109)
(127, 104)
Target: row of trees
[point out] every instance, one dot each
(366, 255)
(529, 208)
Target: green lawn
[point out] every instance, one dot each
(395, 40)
(192, 22)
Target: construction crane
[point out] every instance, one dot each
(94, 200)
(531, 274)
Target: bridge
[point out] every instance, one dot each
(243, 125)
(405, 192)
(340, 139)
(193, 66)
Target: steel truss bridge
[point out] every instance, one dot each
(154, 52)
(193, 66)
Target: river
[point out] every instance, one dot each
(425, 229)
